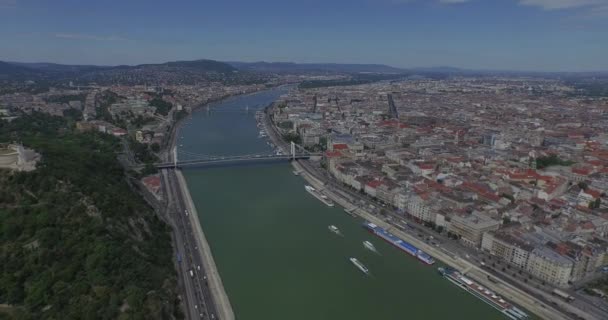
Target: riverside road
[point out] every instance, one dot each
(197, 299)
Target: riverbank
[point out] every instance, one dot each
(220, 298)
(481, 276)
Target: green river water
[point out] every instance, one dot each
(275, 254)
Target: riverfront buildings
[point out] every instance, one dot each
(515, 167)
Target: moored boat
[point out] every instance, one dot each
(319, 196)
(483, 293)
(399, 243)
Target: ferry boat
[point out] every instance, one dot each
(319, 196)
(334, 229)
(483, 294)
(359, 265)
(370, 246)
(399, 243)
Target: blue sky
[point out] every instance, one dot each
(546, 35)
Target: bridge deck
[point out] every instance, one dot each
(231, 160)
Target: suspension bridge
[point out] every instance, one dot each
(201, 160)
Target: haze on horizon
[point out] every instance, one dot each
(535, 35)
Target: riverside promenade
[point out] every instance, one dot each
(220, 298)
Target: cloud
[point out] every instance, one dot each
(564, 4)
(80, 36)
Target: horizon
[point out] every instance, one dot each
(510, 35)
(318, 63)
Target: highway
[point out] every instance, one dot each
(191, 272)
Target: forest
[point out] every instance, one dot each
(76, 242)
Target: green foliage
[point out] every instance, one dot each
(552, 160)
(595, 204)
(292, 137)
(76, 241)
(148, 170)
(142, 152)
(67, 98)
(162, 106)
(180, 115)
(155, 147)
(140, 121)
(285, 124)
(508, 196)
(104, 100)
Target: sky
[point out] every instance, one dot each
(532, 35)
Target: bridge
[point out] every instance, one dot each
(200, 160)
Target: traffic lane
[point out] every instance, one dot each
(203, 292)
(191, 302)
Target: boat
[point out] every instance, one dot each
(295, 173)
(482, 293)
(359, 265)
(334, 229)
(370, 246)
(319, 196)
(399, 243)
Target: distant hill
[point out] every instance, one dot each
(169, 72)
(202, 65)
(8, 70)
(291, 67)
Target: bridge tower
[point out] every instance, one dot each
(293, 151)
(175, 157)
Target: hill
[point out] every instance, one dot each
(175, 72)
(8, 70)
(76, 241)
(291, 67)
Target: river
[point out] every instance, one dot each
(272, 247)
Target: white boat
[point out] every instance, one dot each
(359, 265)
(319, 196)
(370, 246)
(334, 229)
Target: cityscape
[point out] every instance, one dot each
(218, 181)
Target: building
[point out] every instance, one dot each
(507, 247)
(550, 266)
(470, 228)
